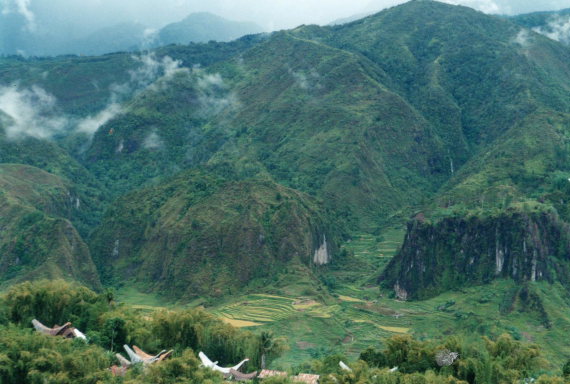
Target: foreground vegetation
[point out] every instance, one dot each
(30, 357)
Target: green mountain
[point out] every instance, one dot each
(203, 27)
(38, 240)
(321, 121)
(225, 166)
(514, 163)
(455, 252)
(200, 235)
(552, 24)
(374, 118)
(291, 120)
(53, 35)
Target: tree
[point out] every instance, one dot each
(114, 333)
(373, 358)
(270, 347)
(566, 369)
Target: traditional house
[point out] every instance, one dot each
(306, 378)
(265, 373)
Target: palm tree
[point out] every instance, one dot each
(270, 347)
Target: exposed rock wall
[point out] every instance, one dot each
(458, 251)
(322, 256)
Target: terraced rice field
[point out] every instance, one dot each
(258, 309)
(351, 299)
(240, 323)
(355, 314)
(316, 323)
(389, 329)
(370, 253)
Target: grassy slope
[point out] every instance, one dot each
(322, 121)
(499, 102)
(355, 315)
(37, 241)
(214, 236)
(50, 157)
(315, 108)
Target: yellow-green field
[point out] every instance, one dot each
(354, 313)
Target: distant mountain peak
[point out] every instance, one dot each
(204, 26)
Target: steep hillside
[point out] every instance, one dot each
(37, 241)
(200, 235)
(498, 97)
(373, 116)
(89, 194)
(323, 121)
(455, 252)
(313, 117)
(471, 75)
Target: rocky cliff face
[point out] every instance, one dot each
(457, 251)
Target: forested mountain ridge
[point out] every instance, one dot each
(45, 38)
(38, 240)
(214, 236)
(424, 106)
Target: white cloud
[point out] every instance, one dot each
(208, 81)
(21, 7)
(213, 93)
(32, 112)
(145, 76)
(150, 36)
(485, 6)
(91, 124)
(153, 141)
(29, 112)
(305, 80)
(522, 38)
(150, 71)
(300, 79)
(557, 29)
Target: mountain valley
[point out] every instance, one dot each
(407, 173)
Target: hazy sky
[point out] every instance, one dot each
(270, 14)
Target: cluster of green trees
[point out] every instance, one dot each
(483, 361)
(29, 357)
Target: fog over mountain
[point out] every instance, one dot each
(81, 18)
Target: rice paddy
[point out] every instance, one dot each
(258, 309)
(240, 323)
(355, 314)
(350, 299)
(389, 329)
